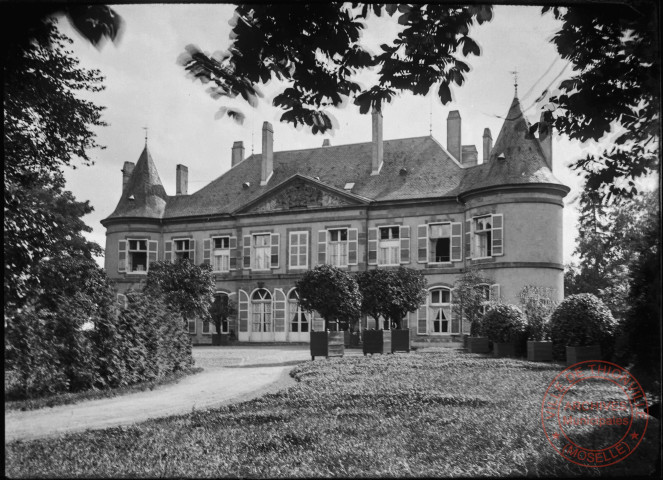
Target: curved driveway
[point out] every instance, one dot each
(231, 374)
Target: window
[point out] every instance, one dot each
(192, 325)
(389, 246)
(484, 290)
(487, 232)
(439, 305)
(261, 303)
(182, 249)
(440, 243)
(137, 256)
(338, 247)
(221, 254)
(299, 321)
(298, 249)
(261, 248)
(261, 251)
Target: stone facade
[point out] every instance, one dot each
(409, 202)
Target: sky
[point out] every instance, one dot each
(146, 87)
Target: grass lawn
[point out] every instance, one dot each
(426, 413)
(72, 398)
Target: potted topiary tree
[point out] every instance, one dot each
(407, 293)
(374, 286)
(505, 325)
(582, 328)
(538, 303)
(219, 311)
(334, 294)
(469, 305)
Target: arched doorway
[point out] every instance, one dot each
(262, 326)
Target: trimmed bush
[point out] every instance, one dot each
(581, 320)
(504, 323)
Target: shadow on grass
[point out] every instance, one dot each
(289, 363)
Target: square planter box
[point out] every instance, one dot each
(504, 349)
(465, 336)
(478, 345)
(581, 354)
(400, 340)
(327, 344)
(220, 339)
(377, 341)
(539, 351)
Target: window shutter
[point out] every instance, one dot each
(122, 301)
(494, 293)
(405, 244)
(275, 243)
(152, 251)
(322, 247)
(192, 251)
(246, 251)
(498, 229)
(422, 246)
(317, 322)
(456, 242)
(168, 251)
(278, 310)
(122, 256)
(372, 246)
(352, 246)
(232, 245)
(422, 320)
(468, 239)
(207, 251)
(243, 310)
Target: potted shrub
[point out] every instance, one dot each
(469, 304)
(334, 294)
(582, 328)
(219, 311)
(505, 326)
(537, 303)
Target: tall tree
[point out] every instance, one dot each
(47, 126)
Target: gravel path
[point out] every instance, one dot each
(231, 374)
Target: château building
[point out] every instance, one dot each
(377, 204)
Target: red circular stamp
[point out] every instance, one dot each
(594, 413)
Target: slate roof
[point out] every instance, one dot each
(431, 173)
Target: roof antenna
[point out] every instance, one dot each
(145, 128)
(515, 79)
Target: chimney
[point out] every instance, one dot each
(545, 138)
(238, 153)
(378, 153)
(181, 180)
(126, 173)
(267, 153)
(470, 155)
(487, 144)
(453, 135)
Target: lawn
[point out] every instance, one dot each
(426, 413)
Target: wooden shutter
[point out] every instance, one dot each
(192, 251)
(122, 301)
(498, 230)
(422, 244)
(468, 239)
(207, 251)
(322, 247)
(152, 251)
(168, 251)
(246, 251)
(243, 311)
(122, 256)
(275, 244)
(278, 310)
(317, 322)
(352, 246)
(456, 241)
(405, 244)
(372, 246)
(422, 320)
(494, 295)
(234, 253)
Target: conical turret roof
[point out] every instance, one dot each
(516, 157)
(144, 196)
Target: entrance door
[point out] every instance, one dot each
(261, 324)
(299, 322)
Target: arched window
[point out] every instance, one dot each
(261, 303)
(299, 320)
(439, 304)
